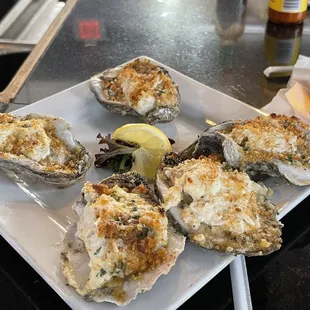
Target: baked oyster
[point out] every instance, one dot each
(274, 145)
(139, 88)
(121, 243)
(42, 148)
(217, 207)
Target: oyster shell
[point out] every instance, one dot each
(122, 242)
(274, 145)
(216, 207)
(139, 88)
(42, 148)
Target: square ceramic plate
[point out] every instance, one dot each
(37, 232)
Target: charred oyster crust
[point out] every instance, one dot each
(122, 242)
(216, 207)
(139, 88)
(274, 145)
(42, 148)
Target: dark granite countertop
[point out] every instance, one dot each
(219, 43)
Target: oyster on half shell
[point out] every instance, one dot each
(139, 88)
(274, 145)
(121, 243)
(217, 207)
(42, 148)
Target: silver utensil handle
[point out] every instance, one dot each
(240, 284)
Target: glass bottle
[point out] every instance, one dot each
(282, 43)
(287, 11)
(229, 26)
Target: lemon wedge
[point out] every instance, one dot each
(153, 143)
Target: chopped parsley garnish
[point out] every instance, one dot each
(135, 217)
(291, 158)
(121, 265)
(227, 167)
(244, 141)
(97, 251)
(134, 209)
(113, 195)
(143, 233)
(101, 273)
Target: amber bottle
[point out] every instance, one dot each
(287, 11)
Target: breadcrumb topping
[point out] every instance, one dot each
(36, 139)
(130, 232)
(220, 208)
(215, 197)
(274, 137)
(143, 86)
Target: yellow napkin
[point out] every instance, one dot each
(299, 98)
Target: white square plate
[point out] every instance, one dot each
(36, 233)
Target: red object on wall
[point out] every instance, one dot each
(89, 29)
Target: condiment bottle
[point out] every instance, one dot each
(287, 11)
(282, 44)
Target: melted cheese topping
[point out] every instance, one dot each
(275, 140)
(214, 197)
(25, 138)
(35, 139)
(274, 137)
(143, 86)
(123, 233)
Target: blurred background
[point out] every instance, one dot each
(225, 44)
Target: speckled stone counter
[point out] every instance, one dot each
(191, 36)
(219, 43)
